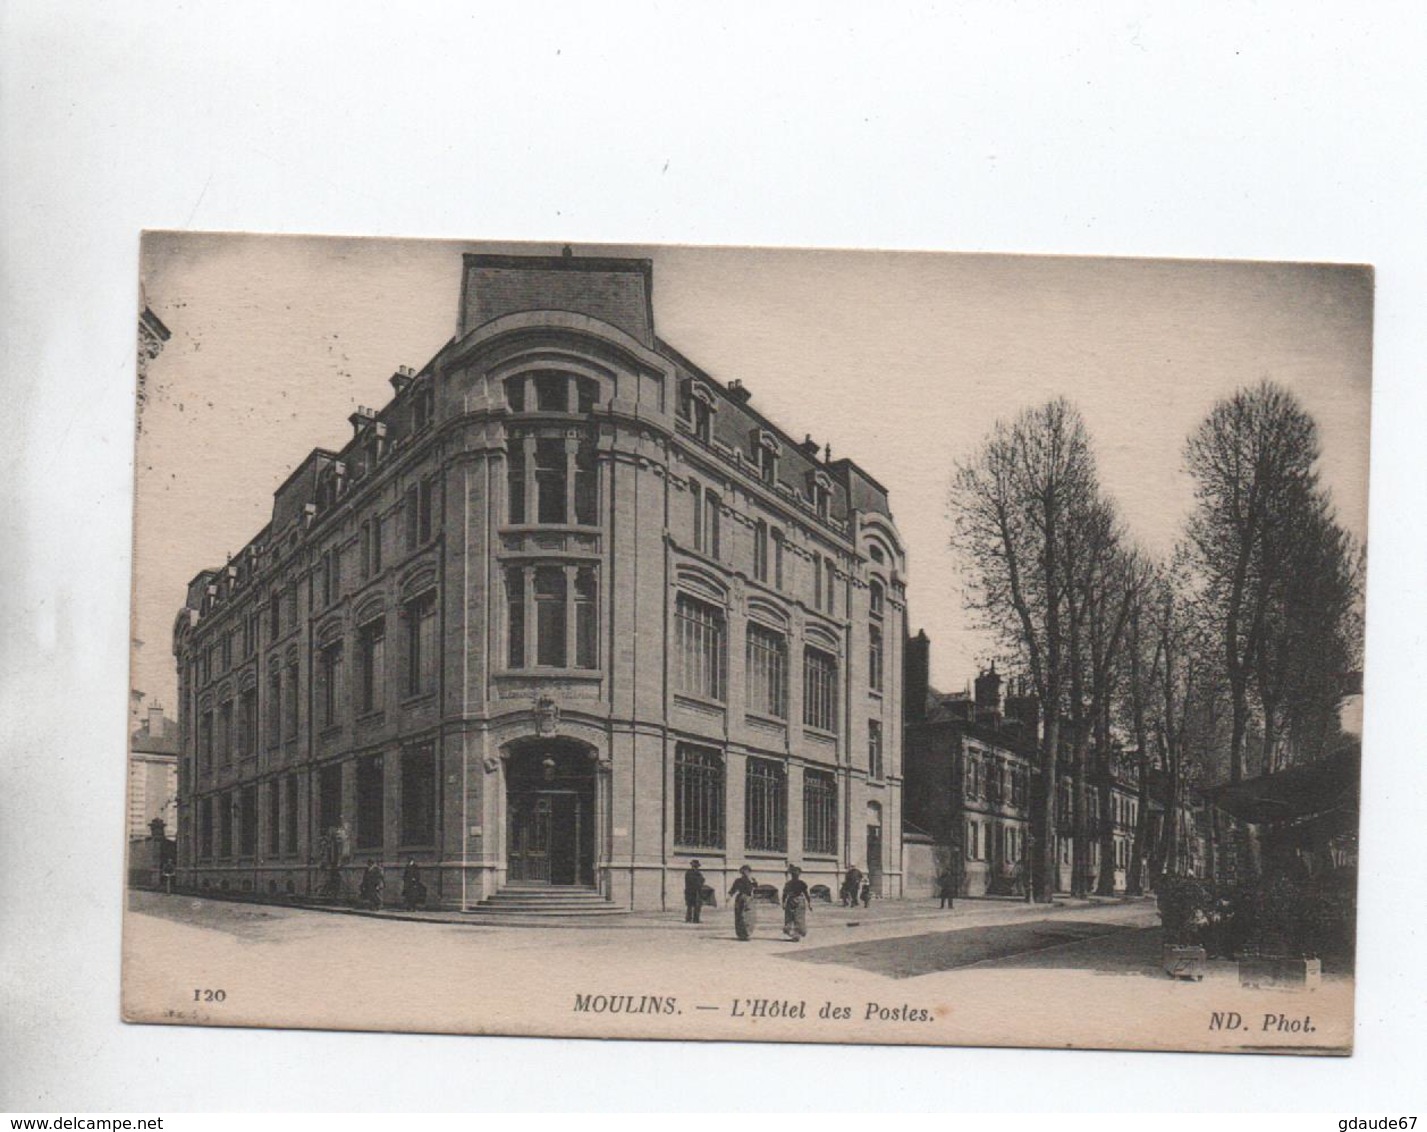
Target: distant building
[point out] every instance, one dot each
(153, 774)
(971, 772)
(566, 613)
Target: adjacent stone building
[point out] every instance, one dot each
(972, 764)
(566, 613)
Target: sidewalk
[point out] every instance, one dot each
(968, 912)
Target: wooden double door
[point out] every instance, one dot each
(550, 823)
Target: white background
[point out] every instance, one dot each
(1270, 131)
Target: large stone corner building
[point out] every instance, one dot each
(566, 612)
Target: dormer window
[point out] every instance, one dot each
(696, 404)
(820, 487)
(765, 448)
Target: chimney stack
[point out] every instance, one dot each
(738, 392)
(155, 723)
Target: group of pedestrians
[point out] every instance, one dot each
(796, 899)
(413, 890)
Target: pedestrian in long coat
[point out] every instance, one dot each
(795, 905)
(743, 891)
(372, 885)
(693, 893)
(946, 887)
(413, 891)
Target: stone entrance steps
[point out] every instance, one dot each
(545, 901)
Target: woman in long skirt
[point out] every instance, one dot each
(742, 892)
(795, 905)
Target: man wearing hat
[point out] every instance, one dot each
(693, 893)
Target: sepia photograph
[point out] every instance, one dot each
(747, 644)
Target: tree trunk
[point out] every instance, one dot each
(1044, 830)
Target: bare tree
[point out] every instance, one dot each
(1252, 460)
(1013, 504)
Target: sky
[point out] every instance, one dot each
(902, 361)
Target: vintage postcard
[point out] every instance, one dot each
(747, 644)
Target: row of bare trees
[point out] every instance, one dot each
(1224, 660)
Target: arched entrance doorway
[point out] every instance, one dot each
(550, 807)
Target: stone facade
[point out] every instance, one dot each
(971, 769)
(566, 611)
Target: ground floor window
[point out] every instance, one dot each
(766, 806)
(418, 795)
(290, 816)
(371, 795)
(819, 812)
(274, 818)
(698, 797)
(248, 822)
(329, 797)
(225, 826)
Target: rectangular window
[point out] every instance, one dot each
(376, 544)
(587, 391)
(329, 684)
(515, 481)
(711, 522)
(274, 818)
(874, 658)
(551, 470)
(550, 597)
(365, 550)
(290, 814)
(767, 663)
(698, 797)
(274, 708)
(290, 703)
(586, 618)
(411, 512)
(766, 806)
(372, 656)
(830, 586)
(225, 731)
(515, 394)
(552, 393)
(248, 723)
(586, 487)
(418, 795)
(515, 619)
(696, 493)
(426, 496)
(421, 644)
(819, 690)
(875, 768)
(226, 802)
(760, 550)
(329, 797)
(778, 559)
(973, 841)
(700, 647)
(205, 829)
(819, 812)
(371, 797)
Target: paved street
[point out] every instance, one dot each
(987, 973)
